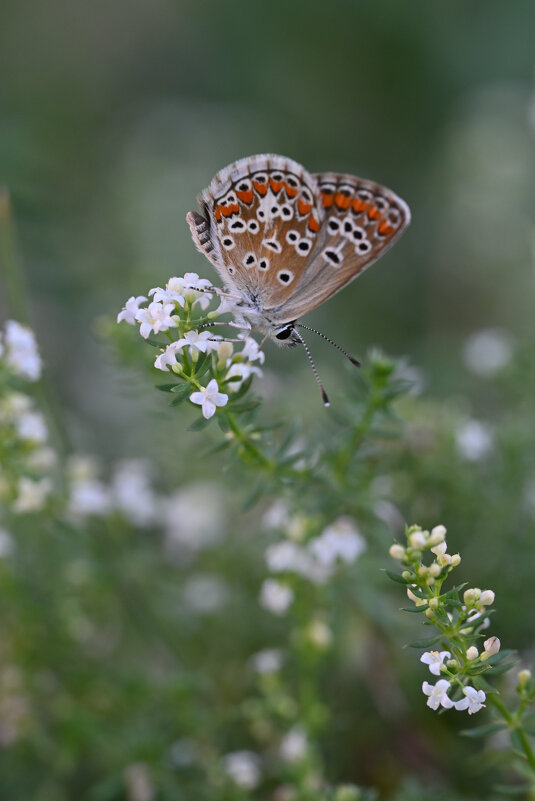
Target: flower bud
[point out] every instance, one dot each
(224, 352)
(438, 534)
(472, 653)
(407, 575)
(439, 549)
(430, 614)
(319, 634)
(524, 679)
(435, 569)
(444, 559)
(492, 645)
(455, 559)
(487, 597)
(423, 571)
(417, 540)
(471, 597)
(433, 603)
(397, 552)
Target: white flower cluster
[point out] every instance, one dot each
(18, 351)
(440, 663)
(25, 429)
(315, 560)
(164, 313)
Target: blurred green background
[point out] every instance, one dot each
(115, 114)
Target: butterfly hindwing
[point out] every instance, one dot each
(361, 221)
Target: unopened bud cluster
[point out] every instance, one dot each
(460, 621)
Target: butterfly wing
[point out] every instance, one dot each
(361, 220)
(259, 224)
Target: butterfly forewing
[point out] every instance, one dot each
(262, 217)
(361, 221)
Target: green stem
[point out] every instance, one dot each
(514, 725)
(9, 262)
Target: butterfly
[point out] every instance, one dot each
(284, 240)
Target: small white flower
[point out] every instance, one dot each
(169, 357)
(31, 426)
(130, 309)
(89, 497)
(251, 350)
(487, 352)
(435, 659)
(275, 597)
(284, 556)
(31, 494)
(21, 351)
(173, 292)
(492, 646)
(487, 597)
(200, 343)
(339, 541)
(243, 371)
(473, 700)
(243, 767)
(418, 539)
(293, 746)
(156, 317)
(267, 661)
(208, 398)
(438, 694)
(132, 492)
(474, 440)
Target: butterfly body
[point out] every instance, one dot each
(284, 241)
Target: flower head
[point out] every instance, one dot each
(243, 767)
(168, 358)
(130, 309)
(275, 597)
(202, 342)
(473, 700)
(434, 660)
(208, 398)
(21, 352)
(438, 694)
(156, 317)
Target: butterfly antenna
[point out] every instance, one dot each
(331, 342)
(324, 395)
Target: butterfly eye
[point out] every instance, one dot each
(359, 234)
(231, 270)
(244, 186)
(380, 203)
(348, 227)
(228, 242)
(305, 194)
(364, 246)
(253, 226)
(260, 178)
(263, 264)
(277, 176)
(292, 236)
(231, 198)
(364, 194)
(249, 259)
(285, 276)
(275, 211)
(238, 225)
(394, 216)
(273, 245)
(292, 182)
(260, 214)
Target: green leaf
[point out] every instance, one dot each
(243, 389)
(426, 642)
(396, 577)
(180, 395)
(203, 365)
(416, 610)
(156, 344)
(483, 731)
(200, 423)
(253, 497)
(240, 408)
(497, 670)
(167, 387)
(482, 684)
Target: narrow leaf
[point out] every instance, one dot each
(483, 731)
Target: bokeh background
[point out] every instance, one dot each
(115, 114)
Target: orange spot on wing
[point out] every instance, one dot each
(342, 201)
(373, 213)
(228, 211)
(313, 224)
(260, 188)
(276, 185)
(291, 191)
(359, 205)
(303, 207)
(385, 229)
(327, 199)
(217, 214)
(245, 197)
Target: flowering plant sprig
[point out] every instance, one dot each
(210, 371)
(462, 663)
